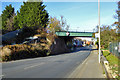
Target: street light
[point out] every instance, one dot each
(99, 26)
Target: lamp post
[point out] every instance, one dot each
(99, 26)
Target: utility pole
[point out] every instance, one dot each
(99, 26)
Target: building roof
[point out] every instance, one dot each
(9, 36)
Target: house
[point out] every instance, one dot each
(9, 38)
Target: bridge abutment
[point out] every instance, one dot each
(60, 45)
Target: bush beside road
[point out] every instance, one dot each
(114, 64)
(22, 51)
(48, 44)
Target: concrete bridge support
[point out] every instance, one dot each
(60, 45)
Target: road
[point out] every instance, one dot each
(55, 66)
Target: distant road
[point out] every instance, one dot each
(56, 66)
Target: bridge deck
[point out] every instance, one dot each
(75, 34)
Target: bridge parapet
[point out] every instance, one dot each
(74, 34)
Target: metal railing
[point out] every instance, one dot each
(114, 48)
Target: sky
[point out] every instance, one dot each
(81, 16)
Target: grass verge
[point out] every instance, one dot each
(114, 63)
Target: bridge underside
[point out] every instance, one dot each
(75, 34)
(66, 38)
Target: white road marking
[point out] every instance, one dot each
(1, 75)
(34, 65)
(85, 60)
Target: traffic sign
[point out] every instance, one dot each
(67, 33)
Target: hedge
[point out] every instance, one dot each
(23, 51)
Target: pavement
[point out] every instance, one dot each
(90, 68)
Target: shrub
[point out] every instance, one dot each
(22, 51)
(106, 53)
(112, 59)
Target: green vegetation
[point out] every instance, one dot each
(111, 36)
(15, 52)
(54, 25)
(7, 19)
(0, 23)
(6, 14)
(57, 25)
(26, 32)
(32, 14)
(113, 61)
(23, 51)
(32, 19)
(103, 72)
(106, 53)
(105, 49)
(107, 35)
(117, 23)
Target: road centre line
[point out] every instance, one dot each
(34, 66)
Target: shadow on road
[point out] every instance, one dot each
(76, 50)
(72, 52)
(94, 49)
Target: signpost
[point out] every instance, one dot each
(99, 26)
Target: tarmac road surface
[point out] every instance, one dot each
(55, 66)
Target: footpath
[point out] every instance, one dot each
(90, 68)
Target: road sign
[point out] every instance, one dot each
(96, 35)
(67, 33)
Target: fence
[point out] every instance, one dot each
(114, 48)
